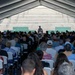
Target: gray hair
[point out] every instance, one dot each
(43, 46)
(66, 69)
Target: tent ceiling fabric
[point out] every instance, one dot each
(12, 7)
(7, 2)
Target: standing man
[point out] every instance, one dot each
(40, 32)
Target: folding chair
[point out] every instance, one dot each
(48, 70)
(5, 64)
(5, 60)
(51, 62)
(10, 58)
(25, 46)
(25, 50)
(1, 67)
(10, 63)
(17, 50)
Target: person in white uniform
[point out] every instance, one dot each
(50, 50)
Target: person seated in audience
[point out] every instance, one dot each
(1, 43)
(66, 69)
(61, 58)
(9, 49)
(40, 54)
(50, 50)
(13, 42)
(60, 46)
(68, 52)
(28, 67)
(17, 42)
(43, 47)
(55, 41)
(31, 41)
(68, 40)
(60, 51)
(24, 40)
(38, 64)
(30, 35)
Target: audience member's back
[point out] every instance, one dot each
(68, 52)
(71, 57)
(28, 67)
(49, 49)
(9, 49)
(66, 69)
(40, 54)
(55, 41)
(38, 64)
(61, 58)
(43, 47)
(60, 46)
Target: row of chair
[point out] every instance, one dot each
(51, 63)
(11, 60)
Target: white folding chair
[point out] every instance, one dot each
(48, 70)
(17, 50)
(73, 63)
(51, 62)
(10, 55)
(1, 64)
(5, 64)
(25, 46)
(10, 58)
(5, 60)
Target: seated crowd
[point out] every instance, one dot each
(31, 54)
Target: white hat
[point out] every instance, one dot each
(67, 43)
(1, 64)
(49, 42)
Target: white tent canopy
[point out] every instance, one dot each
(12, 7)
